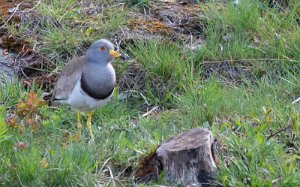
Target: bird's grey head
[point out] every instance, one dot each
(101, 51)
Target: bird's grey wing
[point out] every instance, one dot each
(68, 79)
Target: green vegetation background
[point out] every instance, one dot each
(254, 121)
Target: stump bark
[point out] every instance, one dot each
(186, 159)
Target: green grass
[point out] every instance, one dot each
(137, 3)
(60, 41)
(165, 66)
(3, 127)
(241, 116)
(58, 9)
(250, 30)
(237, 117)
(161, 59)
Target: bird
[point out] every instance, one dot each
(87, 82)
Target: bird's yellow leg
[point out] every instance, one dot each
(89, 126)
(77, 136)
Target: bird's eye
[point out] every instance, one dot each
(102, 48)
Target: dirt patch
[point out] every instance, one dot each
(5, 6)
(14, 44)
(229, 71)
(30, 65)
(173, 21)
(36, 69)
(186, 19)
(10, 7)
(133, 78)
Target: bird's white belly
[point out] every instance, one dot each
(83, 102)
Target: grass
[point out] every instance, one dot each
(138, 3)
(250, 30)
(255, 122)
(165, 67)
(58, 9)
(61, 41)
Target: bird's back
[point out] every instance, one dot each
(68, 79)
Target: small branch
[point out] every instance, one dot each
(297, 100)
(279, 131)
(276, 180)
(150, 111)
(16, 9)
(34, 6)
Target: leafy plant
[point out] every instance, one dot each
(3, 128)
(27, 112)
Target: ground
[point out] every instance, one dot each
(232, 67)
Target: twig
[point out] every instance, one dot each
(297, 100)
(150, 111)
(111, 175)
(16, 9)
(118, 4)
(276, 180)
(34, 6)
(277, 132)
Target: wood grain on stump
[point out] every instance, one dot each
(186, 158)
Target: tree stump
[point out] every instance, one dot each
(186, 159)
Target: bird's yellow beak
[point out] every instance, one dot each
(114, 54)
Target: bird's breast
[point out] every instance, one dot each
(98, 82)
